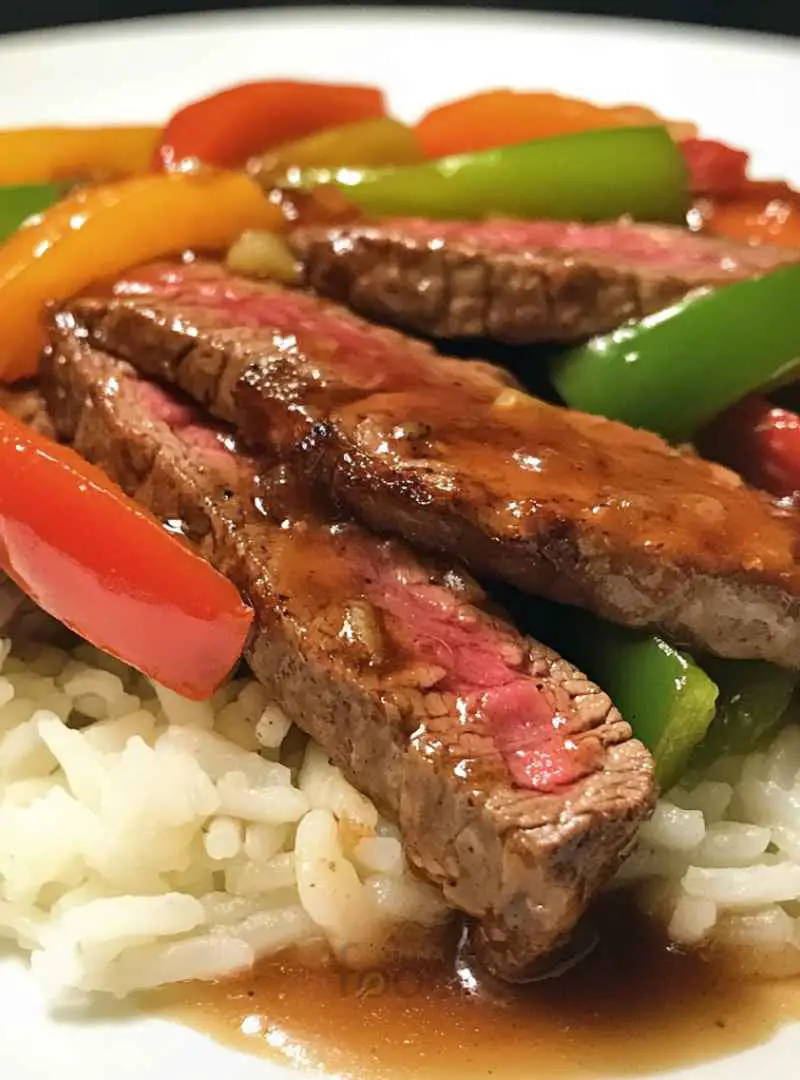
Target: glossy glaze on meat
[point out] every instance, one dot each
(516, 784)
(446, 453)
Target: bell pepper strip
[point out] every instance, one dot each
(715, 168)
(324, 205)
(594, 176)
(228, 128)
(760, 441)
(504, 117)
(676, 370)
(668, 700)
(98, 232)
(753, 701)
(264, 255)
(22, 201)
(763, 212)
(38, 155)
(369, 142)
(91, 557)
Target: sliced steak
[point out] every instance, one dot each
(518, 281)
(516, 784)
(25, 402)
(574, 507)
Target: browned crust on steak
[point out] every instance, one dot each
(740, 614)
(684, 548)
(524, 864)
(25, 402)
(457, 289)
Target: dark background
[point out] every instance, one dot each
(777, 16)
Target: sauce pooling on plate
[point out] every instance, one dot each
(633, 1007)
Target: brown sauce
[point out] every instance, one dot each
(442, 432)
(518, 466)
(632, 1008)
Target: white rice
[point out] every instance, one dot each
(146, 839)
(720, 859)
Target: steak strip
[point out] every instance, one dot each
(518, 281)
(25, 402)
(516, 784)
(577, 508)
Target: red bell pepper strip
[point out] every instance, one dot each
(91, 557)
(714, 168)
(233, 125)
(760, 441)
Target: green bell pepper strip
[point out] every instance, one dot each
(666, 698)
(18, 203)
(753, 700)
(592, 176)
(676, 370)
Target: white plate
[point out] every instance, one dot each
(739, 87)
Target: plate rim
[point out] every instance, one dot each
(205, 24)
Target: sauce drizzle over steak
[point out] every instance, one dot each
(449, 455)
(399, 668)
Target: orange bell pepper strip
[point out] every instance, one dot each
(98, 232)
(91, 557)
(227, 128)
(764, 212)
(503, 117)
(37, 155)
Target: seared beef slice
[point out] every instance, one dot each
(25, 402)
(518, 281)
(577, 508)
(516, 784)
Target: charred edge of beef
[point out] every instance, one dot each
(525, 864)
(461, 280)
(25, 403)
(615, 521)
(733, 615)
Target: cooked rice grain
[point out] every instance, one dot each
(719, 861)
(146, 839)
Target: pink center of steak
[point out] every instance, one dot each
(369, 358)
(481, 662)
(642, 247)
(182, 417)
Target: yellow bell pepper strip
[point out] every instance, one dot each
(98, 232)
(21, 201)
(37, 155)
(676, 370)
(383, 141)
(593, 176)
